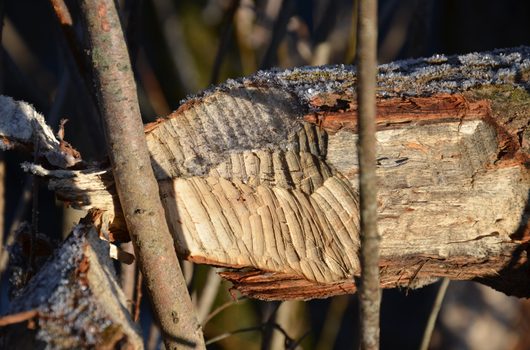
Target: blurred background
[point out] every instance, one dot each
(178, 48)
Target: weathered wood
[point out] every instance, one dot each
(73, 301)
(260, 175)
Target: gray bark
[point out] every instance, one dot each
(369, 281)
(135, 182)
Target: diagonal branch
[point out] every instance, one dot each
(135, 182)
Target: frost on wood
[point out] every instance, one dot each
(21, 125)
(260, 175)
(77, 300)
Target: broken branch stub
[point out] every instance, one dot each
(260, 175)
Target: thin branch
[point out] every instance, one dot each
(2, 160)
(78, 65)
(128, 276)
(65, 20)
(153, 338)
(434, 314)
(209, 292)
(138, 300)
(244, 28)
(229, 334)
(135, 182)
(151, 85)
(369, 291)
(351, 51)
(222, 308)
(261, 327)
(62, 13)
(18, 317)
(269, 324)
(294, 344)
(290, 316)
(20, 212)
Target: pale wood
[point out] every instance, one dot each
(261, 174)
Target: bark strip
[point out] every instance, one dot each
(393, 112)
(136, 185)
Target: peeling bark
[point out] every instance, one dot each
(260, 175)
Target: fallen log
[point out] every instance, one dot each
(259, 175)
(73, 302)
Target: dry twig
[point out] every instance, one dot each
(128, 276)
(369, 291)
(434, 314)
(209, 292)
(138, 300)
(221, 308)
(18, 317)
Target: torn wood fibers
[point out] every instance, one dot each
(259, 175)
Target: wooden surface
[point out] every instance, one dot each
(260, 175)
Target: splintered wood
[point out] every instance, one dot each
(260, 176)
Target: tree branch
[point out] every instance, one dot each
(368, 283)
(135, 183)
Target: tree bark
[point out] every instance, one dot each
(368, 283)
(260, 175)
(135, 183)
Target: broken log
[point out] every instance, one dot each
(73, 302)
(259, 175)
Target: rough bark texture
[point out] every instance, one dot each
(75, 301)
(369, 289)
(135, 183)
(260, 175)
